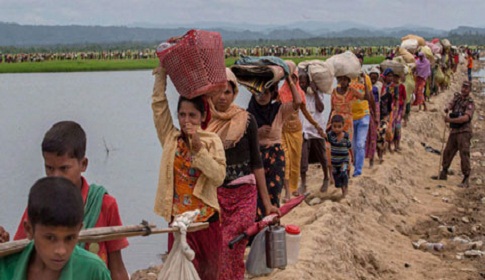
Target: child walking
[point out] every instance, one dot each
(341, 153)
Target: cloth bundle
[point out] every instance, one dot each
(428, 53)
(258, 74)
(396, 67)
(410, 45)
(446, 43)
(320, 72)
(408, 57)
(345, 64)
(421, 41)
(436, 48)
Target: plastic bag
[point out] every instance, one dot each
(179, 261)
(256, 262)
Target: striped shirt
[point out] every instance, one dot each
(339, 151)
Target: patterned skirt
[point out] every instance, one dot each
(274, 171)
(420, 87)
(238, 209)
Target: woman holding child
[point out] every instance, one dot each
(238, 194)
(193, 166)
(270, 116)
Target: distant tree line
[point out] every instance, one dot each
(472, 40)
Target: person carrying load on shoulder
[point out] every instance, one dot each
(292, 134)
(270, 116)
(313, 134)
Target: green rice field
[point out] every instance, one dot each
(117, 65)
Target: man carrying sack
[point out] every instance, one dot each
(460, 115)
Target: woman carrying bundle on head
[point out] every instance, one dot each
(270, 116)
(292, 136)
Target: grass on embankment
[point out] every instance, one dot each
(116, 65)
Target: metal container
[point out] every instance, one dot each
(276, 247)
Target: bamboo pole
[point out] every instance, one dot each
(104, 234)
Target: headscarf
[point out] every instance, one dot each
(264, 114)
(388, 71)
(285, 94)
(374, 69)
(231, 124)
(423, 67)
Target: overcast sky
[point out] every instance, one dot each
(443, 14)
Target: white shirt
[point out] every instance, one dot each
(309, 131)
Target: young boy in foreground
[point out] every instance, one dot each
(341, 149)
(55, 208)
(63, 150)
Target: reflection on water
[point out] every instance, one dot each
(114, 110)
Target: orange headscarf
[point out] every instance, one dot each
(285, 95)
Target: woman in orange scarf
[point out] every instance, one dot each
(244, 175)
(342, 97)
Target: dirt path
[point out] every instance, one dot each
(369, 234)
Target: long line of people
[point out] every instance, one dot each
(230, 163)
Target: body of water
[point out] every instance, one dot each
(114, 110)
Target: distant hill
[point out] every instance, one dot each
(467, 30)
(16, 35)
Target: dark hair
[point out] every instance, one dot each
(55, 201)
(337, 119)
(302, 73)
(197, 101)
(65, 137)
(201, 105)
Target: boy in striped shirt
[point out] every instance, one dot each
(341, 153)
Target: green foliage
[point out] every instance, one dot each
(78, 66)
(118, 65)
